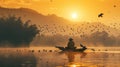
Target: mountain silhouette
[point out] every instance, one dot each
(34, 16)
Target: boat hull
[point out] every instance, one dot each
(74, 50)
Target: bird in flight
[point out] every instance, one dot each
(114, 6)
(100, 15)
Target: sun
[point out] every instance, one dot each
(74, 15)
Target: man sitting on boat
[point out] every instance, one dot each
(71, 44)
(71, 47)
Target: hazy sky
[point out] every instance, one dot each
(75, 10)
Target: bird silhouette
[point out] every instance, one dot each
(100, 15)
(114, 6)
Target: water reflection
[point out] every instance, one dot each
(71, 58)
(71, 55)
(92, 59)
(17, 59)
(39, 58)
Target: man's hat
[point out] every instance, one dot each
(70, 39)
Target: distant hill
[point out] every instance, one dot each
(35, 17)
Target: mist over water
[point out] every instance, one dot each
(52, 57)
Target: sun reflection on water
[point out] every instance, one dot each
(80, 64)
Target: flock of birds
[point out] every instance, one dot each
(78, 29)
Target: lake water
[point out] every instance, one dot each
(52, 57)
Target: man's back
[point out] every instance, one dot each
(71, 44)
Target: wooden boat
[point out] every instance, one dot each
(74, 49)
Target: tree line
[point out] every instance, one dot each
(15, 32)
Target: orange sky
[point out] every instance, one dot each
(86, 10)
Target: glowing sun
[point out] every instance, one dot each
(74, 15)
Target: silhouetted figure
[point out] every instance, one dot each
(71, 44)
(71, 47)
(100, 15)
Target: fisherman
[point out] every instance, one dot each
(71, 47)
(71, 44)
